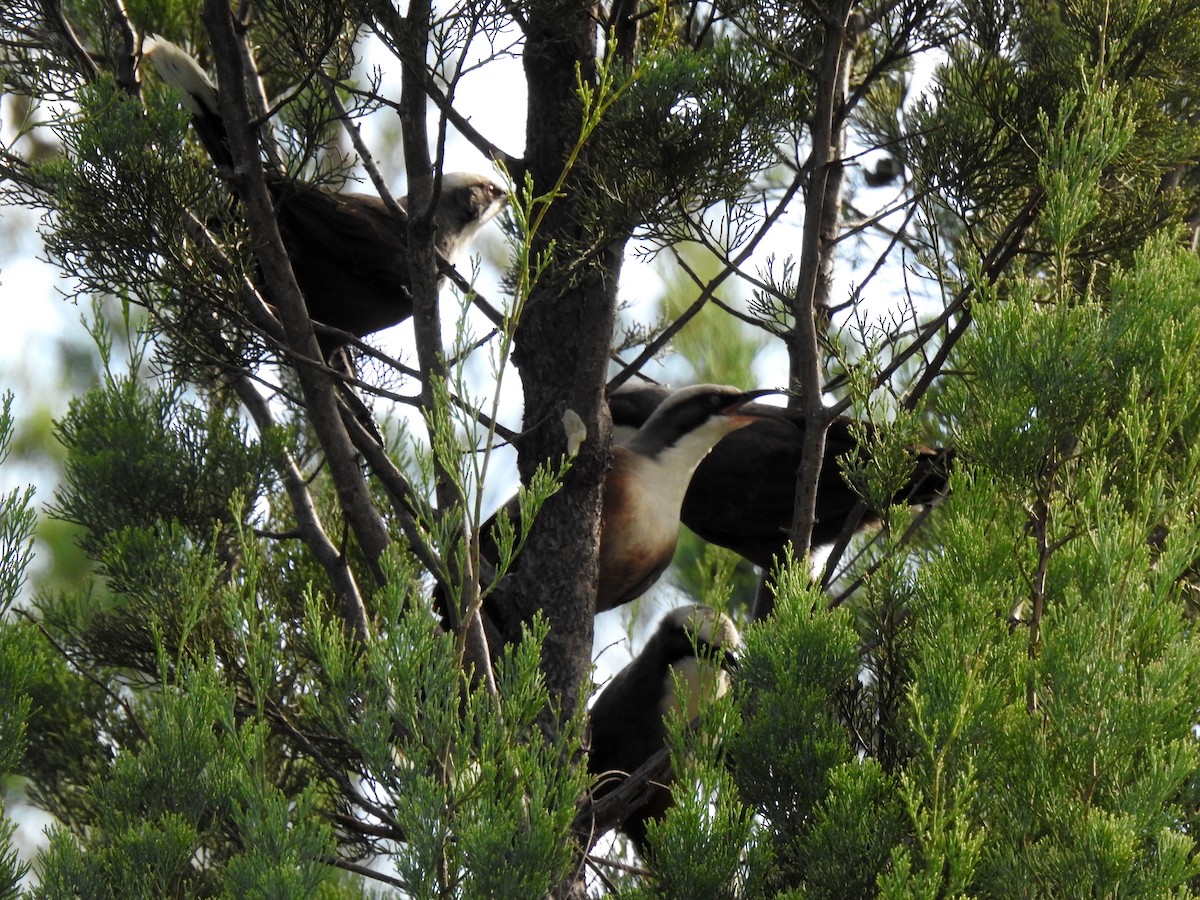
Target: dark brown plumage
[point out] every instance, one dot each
(350, 255)
(348, 252)
(693, 647)
(742, 494)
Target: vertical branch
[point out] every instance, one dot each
(413, 41)
(811, 301)
(1041, 520)
(125, 63)
(319, 390)
(561, 348)
(823, 200)
(308, 521)
(422, 257)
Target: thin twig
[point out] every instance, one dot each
(307, 519)
(732, 266)
(85, 672)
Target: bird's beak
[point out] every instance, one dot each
(739, 409)
(717, 657)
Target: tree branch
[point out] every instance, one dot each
(822, 217)
(311, 531)
(731, 267)
(318, 389)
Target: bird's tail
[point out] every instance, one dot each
(196, 90)
(929, 482)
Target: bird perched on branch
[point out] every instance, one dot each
(648, 479)
(348, 251)
(643, 490)
(691, 651)
(743, 492)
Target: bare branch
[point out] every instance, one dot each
(843, 29)
(319, 390)
(731, 267)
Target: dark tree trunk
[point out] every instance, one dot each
(562, 348)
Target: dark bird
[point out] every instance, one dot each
(742, 493)
(692, 649)
(886, 171)
(632, 404)
(348, 252)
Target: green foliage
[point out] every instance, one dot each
(791, 748)
(159, 485)
(706, 846)
(881, 463)
(225, 742)
(138, 218)
(72, 729)
(1058, 751)
(691, 131)
(141, 457)
(446, 758)
(980, 136)
(1088, 700)
(121, 194)
(12, 870)
(1087, 137)
(16, 538)
(1044, 377)
(852, 832)
(1007, 709)
(163, 811)
(16, 522)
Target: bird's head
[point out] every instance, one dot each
(468, 201)
(694, 418)
(632, 404)
(699, 645)
(707, 632)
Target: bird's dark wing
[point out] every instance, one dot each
(743, 493)
(349, 255)
(626, 722)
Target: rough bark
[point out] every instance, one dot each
(561, 350)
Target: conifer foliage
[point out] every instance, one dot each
(970, 225)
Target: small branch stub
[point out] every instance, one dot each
(576, 432)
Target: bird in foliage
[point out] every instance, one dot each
(684, 664)
(643, 491)
(648, 480)
(348, 251)
(743, 493)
